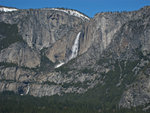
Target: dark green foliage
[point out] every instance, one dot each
(63, 69)
(109, 93)
(6, 64)
(86, 70)
(49, 83)
(127, 68)
(8, 81)
(9, 34)
(66, 67)
(46, 64)
(103, 60)
(115, 82)
(103, 97)
(13, 103)
(27, 68)
(140, 54)
(78, 84)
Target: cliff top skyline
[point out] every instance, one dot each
(89, 7)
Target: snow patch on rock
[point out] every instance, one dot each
(4, 9)
(72, 12)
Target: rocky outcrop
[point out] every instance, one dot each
(25, 81)
(61, 50)
(42, 28)
(20, 54)
(125, 42)
(120, 34)
(111, 50)
(138, 93)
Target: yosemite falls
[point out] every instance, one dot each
(74, 50)
(75, 47)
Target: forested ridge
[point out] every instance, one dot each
(13, 103)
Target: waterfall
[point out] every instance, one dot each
(60, 64)
(28, 90)
(74, 50)
(75, 47)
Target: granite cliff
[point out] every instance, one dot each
(51, 51)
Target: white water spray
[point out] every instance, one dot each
(75, 47)
(60, 64)
(28, 90)
(74, 50)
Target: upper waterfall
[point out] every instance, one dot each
(75, 47)
(74, 50)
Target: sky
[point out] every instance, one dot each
(88, 7)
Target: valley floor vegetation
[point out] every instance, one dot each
(14, 103)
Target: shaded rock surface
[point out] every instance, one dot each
(113, 54)
(20, 54)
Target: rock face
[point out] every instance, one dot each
(58, 51)
(20, 54)
(138, 93)
(46, 28)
